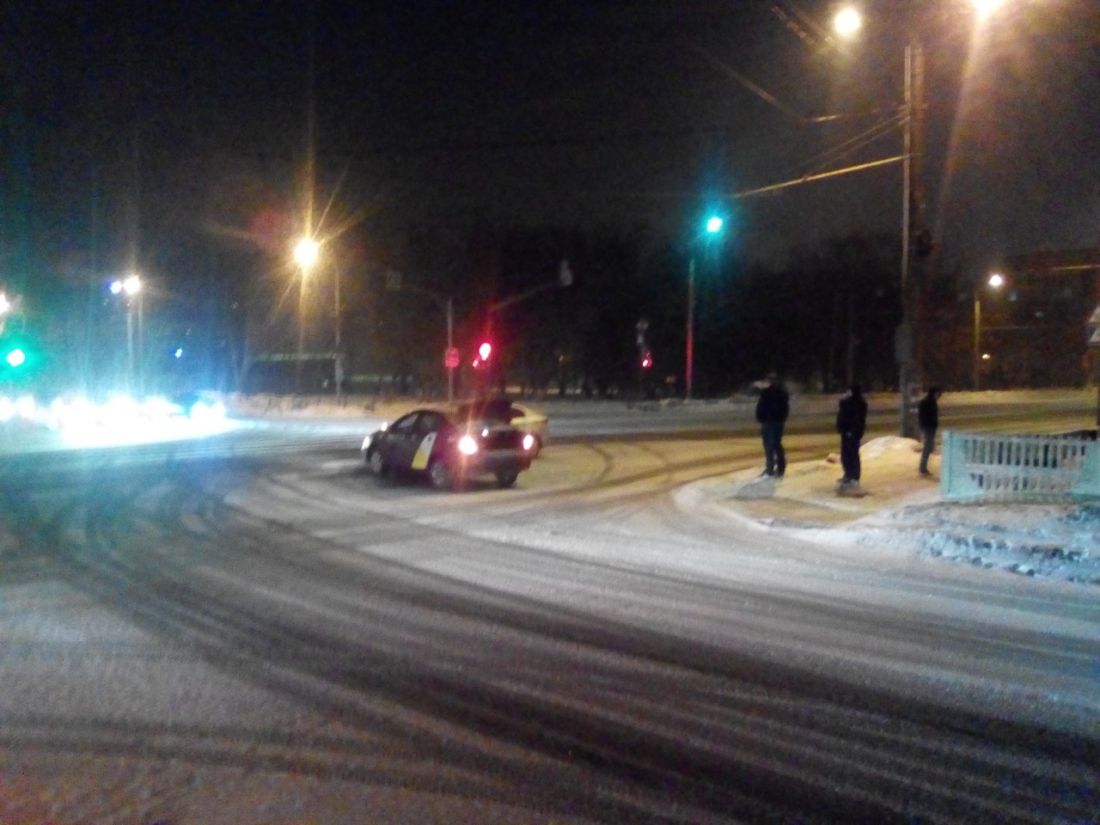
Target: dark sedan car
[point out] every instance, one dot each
(450, 445)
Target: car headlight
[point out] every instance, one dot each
(467, 445)
(528, 442)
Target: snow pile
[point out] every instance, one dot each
(898, 511)
(1058, 541)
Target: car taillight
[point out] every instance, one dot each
(467, 445)
(528, 442)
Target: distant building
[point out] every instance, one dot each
(1036, 331)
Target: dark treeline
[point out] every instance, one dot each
(824, 319)
(226, 315)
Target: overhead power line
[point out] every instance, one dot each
(775, 187)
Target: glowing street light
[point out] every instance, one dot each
(713, 227)
(915, 239)
(995, 281)
(5, 304)
(130, 286)
(306, 253)
(985, 7)
(16, 358)
(847, 22)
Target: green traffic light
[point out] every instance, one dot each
(714, 225)
(16, 358)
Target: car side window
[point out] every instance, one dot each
(405, 424)
(428, 423)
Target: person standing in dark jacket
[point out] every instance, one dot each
(928, 416)
(771, 411)
(851, 420)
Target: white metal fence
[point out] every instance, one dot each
(986, 465)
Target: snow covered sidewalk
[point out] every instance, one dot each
(897, 509)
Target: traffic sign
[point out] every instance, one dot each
(450, 358)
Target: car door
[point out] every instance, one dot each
(401, 441)
(427, 431)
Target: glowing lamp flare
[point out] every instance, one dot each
(306, 252)
(467, 445)
(5, 304)
(528, 442)
(132, 285)
(985, 7)
(847, 22)
(996, 280)
(16, 358)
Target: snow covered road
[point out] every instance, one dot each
(249, 638)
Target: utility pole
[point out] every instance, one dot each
(914, 240)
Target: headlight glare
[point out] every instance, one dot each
(467, 445)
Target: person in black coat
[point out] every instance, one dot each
(771, 411)
(928, 417)
(851, 420)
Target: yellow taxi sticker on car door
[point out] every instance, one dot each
(423, 452)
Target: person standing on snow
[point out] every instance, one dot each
(771, 411)
(928, 416)
(851, 420)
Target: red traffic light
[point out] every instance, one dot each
(484, 350)
(647, 360)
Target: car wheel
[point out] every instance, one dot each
(377, 463)
(441, 476)
(507, 478)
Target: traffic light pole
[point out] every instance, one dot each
(395, 283)
(689, 331)
(450, 346)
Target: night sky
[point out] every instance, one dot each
(125, 123)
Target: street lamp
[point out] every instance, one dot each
(712, 227)
(847, 21)
(306, 253)
(130, 286)
(915, 241)
(995, 281)
(984, 7)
